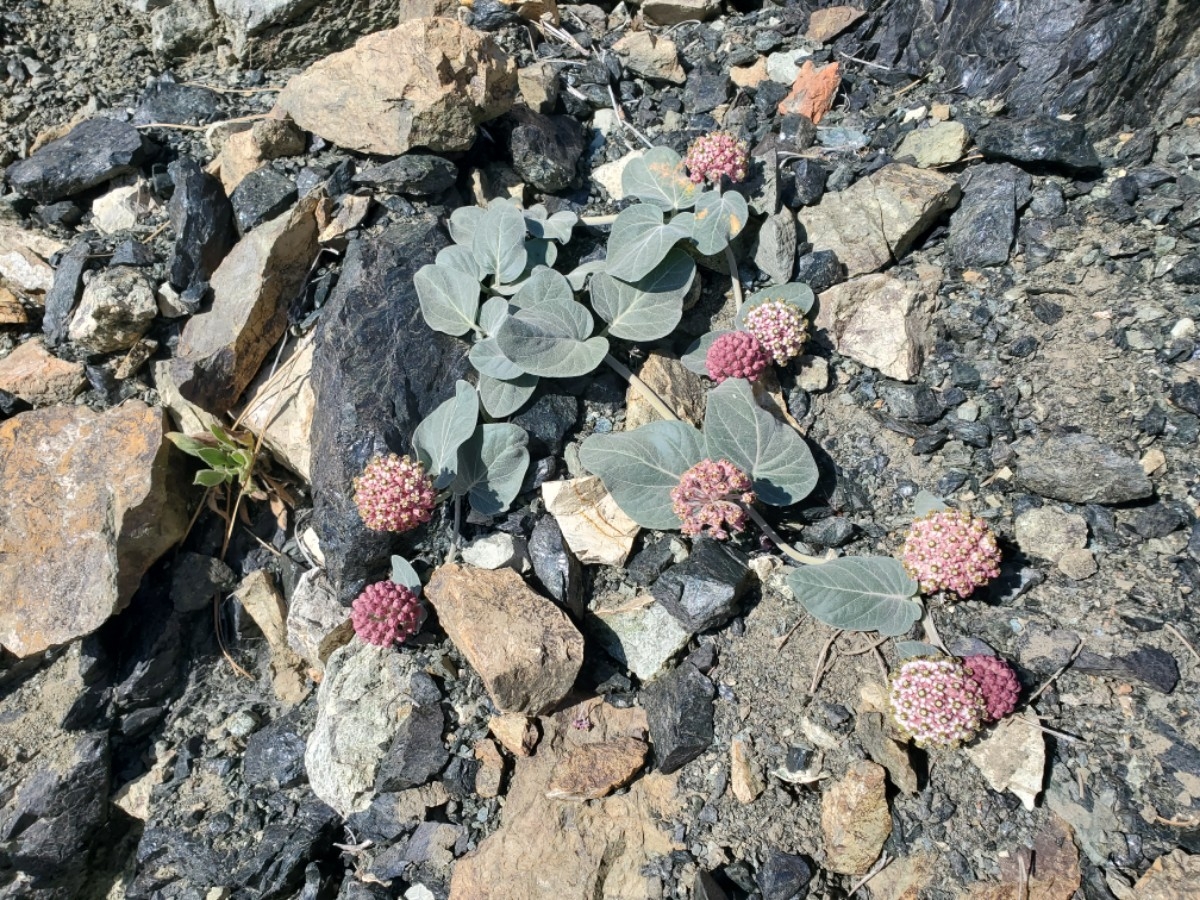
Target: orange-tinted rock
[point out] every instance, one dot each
(855, 819)
(812, 91)
(1175, 876)
(826, 24)
(39, 377)
(11, 310)
(596, 770)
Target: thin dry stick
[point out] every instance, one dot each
(931, 631)
(864, 62)
(782, 642)
(1023, 892)
(1179, 634)
(644, 389)
(1053, 678)
(1040, 727)
(821, 657)
(178, 127)
(225, 90)
(875, 870)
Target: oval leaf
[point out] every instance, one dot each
(909, 649)
(641, 467)
(649, 308)
(485, 356)
(545, 286)
(504, 397)
(772, 453)
(719, 219)
(461, 258)
(697, 353)
(498, 242)
(539, 252)
(492, 467)
(555, 227)
(405, 575)
(858, 593)
(640, 240)
(492, 313)
(551, 340)
(437, 439)
(579, 275)
(659, 177)
(449, 299)
(463, 222)
(795, 294)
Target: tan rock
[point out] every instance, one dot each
(751, 76)
(744, 777)
(1050, 872)
(123, 207)
(855, 819)
(281, 408)
(906, 877)
(672, 12)
(879, 321)
(317, 624)
(24, 259)
(1048, 532)
(39, 377)
(940, 145)
(515, 732)
(591, 522)
(65, 567)
(547, 849)
(826, 24)
(679, 387)
(1078, 564)
(116, 309)
(350, 213)
(651, 56)
(240, 155)
(220, 350)
(1012, 757)
(11, 310)
(428, 83)
(277, 137)
(522, 645)
(609, 175)
(491, 773)
(874, 221)
(1175, 876)
(596, 770)
(539, 86)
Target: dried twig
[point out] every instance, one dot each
(874, 870)
(178, 127)
(1179, 634)
(821, 657)
(1053, 678)
(225, 90)
(864, 62)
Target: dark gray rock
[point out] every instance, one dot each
(784, 876)
(911, 402)
(274, 756)
(1187, 270)
(1153, 667)
(820, 270)
(202, 218)
(1042, 144)
(63, 214)
(1077, 468)
(177, 104)
(261, 196)
(196, 578)
(417, 752)
(1043, 650)
(832, 532)
(984, 225)
(679, 709)
(415, 174)
(555, 565)
(64, 293)
(705, 887)
(545, 149)
(650, 562)
(548, 420)
(1158, 521)
(703, 591)
(1047, 201)
(707, 88)
(378, 370)
(94, 152)
(1186, 395)
(132, 253)
(809, 176)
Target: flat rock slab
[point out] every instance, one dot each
(92, 153)
(428, 83)
(65, 567)
(1077, 468)
(874, 221)
(855, 819)
(1041, 144)
(38, 377)
(522, 645)
(596, 770)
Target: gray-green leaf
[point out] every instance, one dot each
(640, 240)
(579, 275)
(461, 258)
(544, 286)
(650, 307)
(771, 452)
(437, 439)
(504, 397)
(719, 219)
(659, 177)
(696, 355)
(405, 575)
(486, 357)
(498, 242)
(463, 222)
(493, 312)
(909, 649)
(641, 467)
(858, 593)
(449, 299)
(925, 503)
(550, 338)
(492, 467)
(555, 227)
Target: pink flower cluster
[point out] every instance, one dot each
(999, 684)
(951, 550)
(936, 702)
(387, 613)
(394, 494)
(780, 328)
(735, 354)
(712, 155)
(707, 498)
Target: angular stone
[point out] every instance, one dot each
(377, 371)
(220, 350)
(250, 17)
(415, 174)
(1077, 468)
(66, 567)
(1077, 564)
(941, 145)
(745, 780)
(417, 752)
(196, 579)
(545, 149)
(240, 156)
(123, 207)
(490, 775)
(679, 708)
(1173, 876)
(783, 876)
(92, 153)
(879, 321)
(316, 623)
(812, 91)
(275, 756)
(594, 527)
(650, 56)
(539, 86)
(516, 732)
(983, 227)
(883, 749)
(555, 565)
(427, 83)
(117, 308)
(261, 599)
(367, 695)
(177, 104)
(180, 28)
(609, 175)
(855, 819)
(1012, 757)
(261, 195)
(672, 12)
(24, 259)
(826, 24)
(1040, 144)
(641, 635)
(679, 387)
(874, 221)
(12, 312)
(751, 76)
(38, 377)
(524, 648)
(495, 551)
(202, 219)
(596, 770)
(1048, 532)
(702, 592)
(912, 403)
(280, 407)
(61, 299)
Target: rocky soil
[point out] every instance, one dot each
(213, 213)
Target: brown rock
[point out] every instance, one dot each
(874, 221)
(281, 409)
(24, 259)
(522, 645)
(879, 321)
(750, 76)
(596, 770)
(491, 772)
(277, 137)
(1050, 872)
(1175, 876)
(651, 56)
(744, 777)
(261, 599)
(855, 819)
(906, 877)
(11, 310)
(679, 387)
(515, 732)
(539, 86)
(220, 350)
(672, 12)
(428, 83)
(826, 24)
(812, 92)
(240, 155)
(65, 567)
(39, 377)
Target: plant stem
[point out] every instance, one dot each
(598, 221)
(644, 389)
(454, 538)
(802, 558)
(733, 274)
(931, 632)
